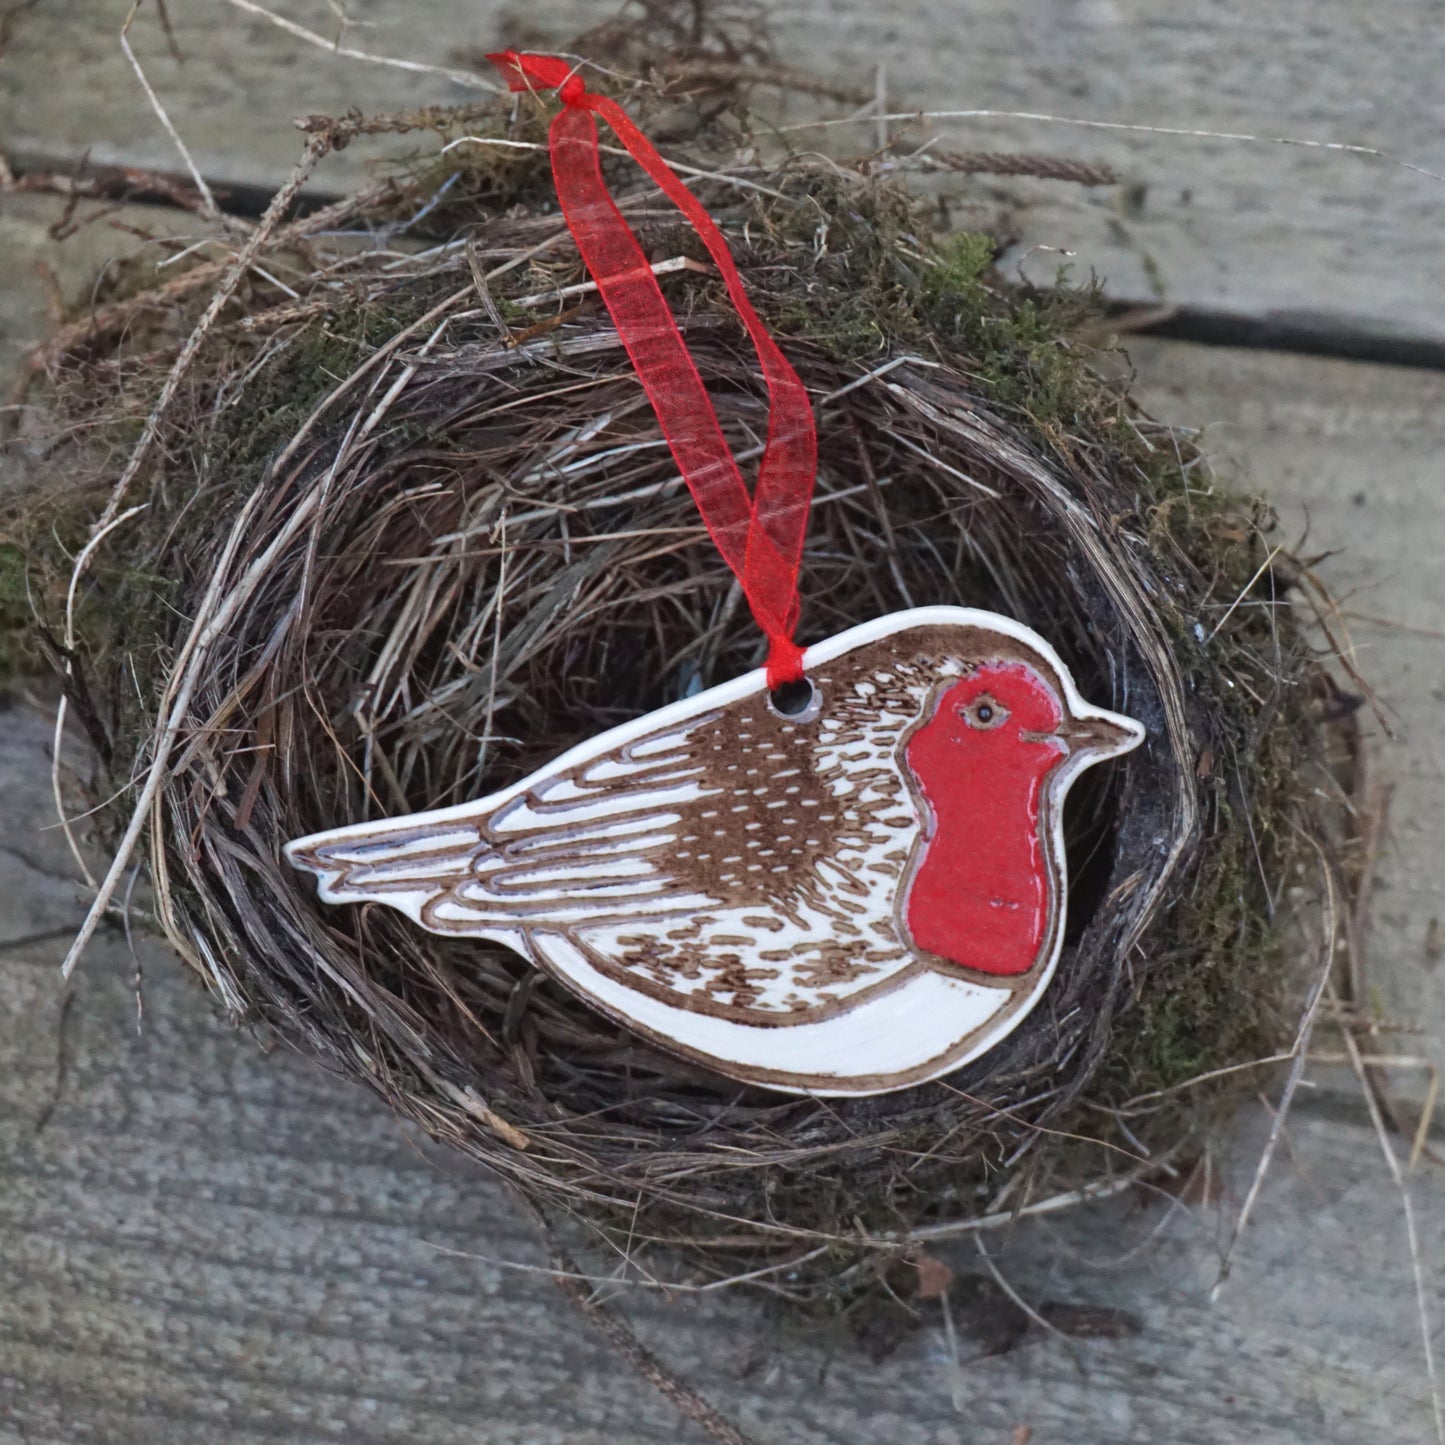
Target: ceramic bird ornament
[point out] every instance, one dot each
(851, 897)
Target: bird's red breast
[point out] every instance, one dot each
(979, 892)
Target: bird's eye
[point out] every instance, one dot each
(985, 712)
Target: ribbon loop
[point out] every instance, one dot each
(760, 536)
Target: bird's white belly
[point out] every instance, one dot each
(928, 1025)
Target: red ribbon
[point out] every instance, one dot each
(760, 538)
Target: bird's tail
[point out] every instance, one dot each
(392, 861)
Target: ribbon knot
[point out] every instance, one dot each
(760, 536)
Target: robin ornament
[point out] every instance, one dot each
(853, 897)
(842, 873)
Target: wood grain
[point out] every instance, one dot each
(1328, 241)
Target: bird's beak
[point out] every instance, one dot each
(1102, 734)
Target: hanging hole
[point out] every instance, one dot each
(796, 701)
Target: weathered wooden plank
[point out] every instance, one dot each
(41, 274)
(1333, 240)
(1350, 456)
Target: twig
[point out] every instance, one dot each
(163, 14)
(880, 104)
(583, 288)
(727, 178)
(345, 128)
(671, 1386)
(1000, 1219)
(1411, 627)
(679, 72)
(663, 1286)
(316, 147)
(1244, 592)
(208, 201)
(468, 78)
(1013, 163)
(67, 1003)
(1296, 1070)
(1017, 1299)
(200, 633)
(106, 320)
(102, 183)
(1117, 125)
(68, 666)
(1206, 1078)
(1412, 1234)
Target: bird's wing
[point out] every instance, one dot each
(576, 845)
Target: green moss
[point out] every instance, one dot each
(124, 605)
(266, 412)
(16, 649)
(36, 545)
(870, 279)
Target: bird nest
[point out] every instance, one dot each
(410, 530)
